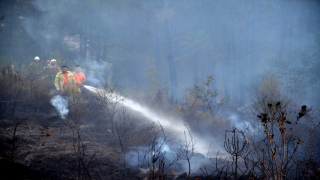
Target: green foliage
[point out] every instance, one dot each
(200, 109)
(204, 92)
(206, 96)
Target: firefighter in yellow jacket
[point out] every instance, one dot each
(65, 82)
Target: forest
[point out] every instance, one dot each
(175, 89)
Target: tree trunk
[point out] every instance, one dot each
(170, 58)
(98, 46)
(157, 57)
(104, 50)
(225, 63)
(282, 34)
(195, 64)
(81, 42)
(9, 19)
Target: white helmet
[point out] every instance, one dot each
(53, 60)
(36, 58)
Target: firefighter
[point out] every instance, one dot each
(54, 65)
(9, 73)
(65, 82)
(79, 76)
(47, 65)
(48, 75)
(52, 68)
(35, 68)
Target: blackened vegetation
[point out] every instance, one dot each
(235, 148)
(303, 111)
(100, 139)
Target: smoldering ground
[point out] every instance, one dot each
(61, 105)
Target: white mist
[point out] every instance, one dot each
(176, 125)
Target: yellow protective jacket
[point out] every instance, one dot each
(59, 79)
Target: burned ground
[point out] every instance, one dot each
(38, 144)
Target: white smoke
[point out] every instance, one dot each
(61, 105)
(90, 69)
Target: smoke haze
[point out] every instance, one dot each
(155, 52)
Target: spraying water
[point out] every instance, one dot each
(176, 125)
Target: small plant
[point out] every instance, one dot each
(15, 145)
(206, 96)
(234, 149)
(187, 148)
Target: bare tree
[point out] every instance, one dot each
(130, 134)
(16, 144)
(187, 148)
(273, 141)
(155, 156)
(77, 110)
(109, 100)
(307, 167)
(80, 153)
(234, 148)
(276, 150)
